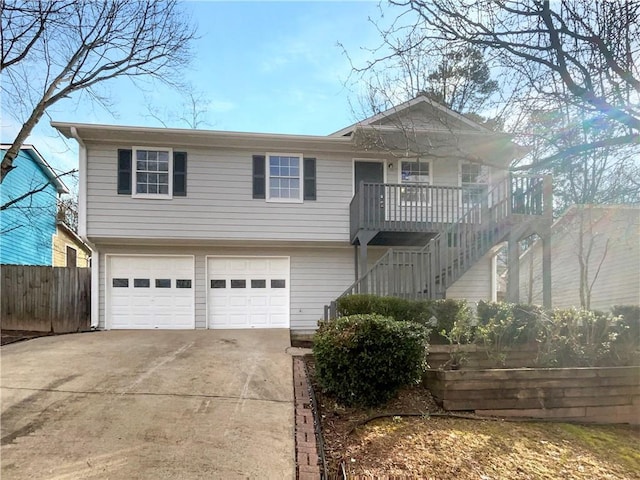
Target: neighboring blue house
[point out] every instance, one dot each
(28, 226)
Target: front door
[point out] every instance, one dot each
(368, 172)
(373, 198)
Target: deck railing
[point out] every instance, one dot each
(405, 207)
(427, 272)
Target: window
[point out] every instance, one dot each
(120, 282)
(218, 284)
(152, 172)
(284, 178)
(141, 283)
(258, 284)
(288, 182)
(278, 284)
(71, 257)
(147, 172)
(183, 283)
(416, 174)
(238, 284)
(474, 179)
(163, 283)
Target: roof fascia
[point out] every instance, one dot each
(43, 165)
(111, 133)
(74, 235)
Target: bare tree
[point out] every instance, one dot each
(53, 49)
(606, 175)
(193, 112)
(570, 90)
(578, 52)
(68, 211)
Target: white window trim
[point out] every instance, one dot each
(268, 197)
(429, 183)
(489, 177)
(134, 168)
(462, 162)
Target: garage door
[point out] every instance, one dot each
(248, 292)
(150, 292)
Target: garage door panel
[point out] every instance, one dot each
(143, 292)
(262, 305)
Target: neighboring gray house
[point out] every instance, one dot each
(213, 229)
(601, 244)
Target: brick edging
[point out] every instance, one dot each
(307, 459)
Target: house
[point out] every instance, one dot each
(214, 229)
(68, 248)
(28, 222)
(598, 243)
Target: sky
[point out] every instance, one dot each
(273, 67)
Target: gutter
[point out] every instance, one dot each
(82, 228)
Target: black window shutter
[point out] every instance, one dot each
(309, 178)
(259, 176)
(179, 174)
(124, 172)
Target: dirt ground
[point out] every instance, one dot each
(409, 438)
(12, 336)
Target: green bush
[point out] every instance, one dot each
(453, 317)
(446, 312)
(358, 304)
(626, 346)
(516, 324)
(582, 338)
(503, 326)
(365, 359)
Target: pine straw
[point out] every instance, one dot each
(423, 445)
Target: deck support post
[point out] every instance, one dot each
(364, 237)
(546, 271)
(513, 280)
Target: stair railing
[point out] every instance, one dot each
(429, 271)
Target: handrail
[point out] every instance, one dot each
(429, 271)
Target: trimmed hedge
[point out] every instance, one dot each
(438, 315)
(565, 337)
(365, 359)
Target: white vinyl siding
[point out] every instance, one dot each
(475, 284)
(219, 203)
(615, 241)
(317, 276)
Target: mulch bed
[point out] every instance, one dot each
(340, 423)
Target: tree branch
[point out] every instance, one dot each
(34, 191)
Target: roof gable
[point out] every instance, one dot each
(29, 151)
(420, 113)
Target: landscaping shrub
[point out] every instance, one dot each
(626, 346)
(582, 338)
(453, 321)
(446, 312)
(502, 326)
(365, 359)
(358, 304)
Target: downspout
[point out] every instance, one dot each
(82, 229)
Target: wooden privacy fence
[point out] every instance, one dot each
(45, 299)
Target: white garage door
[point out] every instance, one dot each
(248, 292)
(150, 292)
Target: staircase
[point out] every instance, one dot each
(515, 207)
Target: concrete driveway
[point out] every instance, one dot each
(148, 404)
